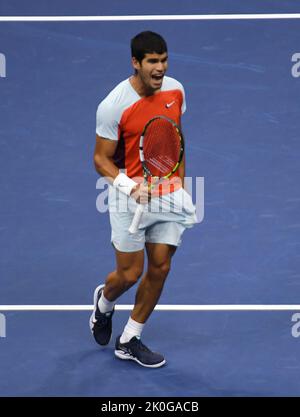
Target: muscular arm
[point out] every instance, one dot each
(103, 158)
(105, 166)
(181, 170)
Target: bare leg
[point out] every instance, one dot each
(152, 283)
(129, 268)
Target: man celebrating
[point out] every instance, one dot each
(121, 117)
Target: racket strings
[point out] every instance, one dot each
(161, 147)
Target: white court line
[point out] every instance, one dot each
(248, 16)
(161, 307)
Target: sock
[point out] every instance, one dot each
(132, 328)
(105, 305)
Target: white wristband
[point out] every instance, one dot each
(124, 183)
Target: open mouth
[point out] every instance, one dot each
(157, 77)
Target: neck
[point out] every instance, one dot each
(139, 86)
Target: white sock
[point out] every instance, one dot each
(105, 305)
(132, 328)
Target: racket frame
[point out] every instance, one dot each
(147, 173)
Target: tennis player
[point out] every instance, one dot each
(121, 117)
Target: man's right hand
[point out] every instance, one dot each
(141, 193)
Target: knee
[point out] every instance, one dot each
(130, 276)
(164, 268)
(161, 269)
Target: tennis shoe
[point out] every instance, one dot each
(101, 323)
(136, 351)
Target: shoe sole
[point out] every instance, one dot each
(124, 356)
(92, 318)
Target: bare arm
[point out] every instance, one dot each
(105, 166)
(181, 170)
(103, 158)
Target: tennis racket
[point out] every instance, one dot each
(161, 150)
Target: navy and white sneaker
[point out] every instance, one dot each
(101, 323)
(136, 351)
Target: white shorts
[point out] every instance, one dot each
(163, 221)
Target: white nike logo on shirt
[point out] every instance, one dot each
(170, 104)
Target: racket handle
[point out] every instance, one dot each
(136, 219)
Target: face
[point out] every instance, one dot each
(151, 70)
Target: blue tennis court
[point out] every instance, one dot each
(242, 135)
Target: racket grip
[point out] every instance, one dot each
(136, 219)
